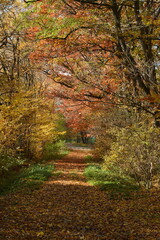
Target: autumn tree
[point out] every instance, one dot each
(70, 63)
(27, 121)
(78, 121)
(97, 42)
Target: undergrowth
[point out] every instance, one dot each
(27, 179)
(55, 150)
(116, 185)
(90, 159)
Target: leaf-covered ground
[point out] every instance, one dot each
(66, 207)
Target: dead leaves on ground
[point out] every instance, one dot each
(68, 208)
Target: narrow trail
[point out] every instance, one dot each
(71, 169)
(69, 208)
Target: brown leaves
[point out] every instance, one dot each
(75, 210)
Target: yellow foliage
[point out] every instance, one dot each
(27, 122)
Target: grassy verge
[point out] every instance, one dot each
(27, 179)
(116, 185)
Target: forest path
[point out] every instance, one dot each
(68, 208)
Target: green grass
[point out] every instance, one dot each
(89, 159)
(27, 179)
(38, 172)
(116, 185)
(55, 151)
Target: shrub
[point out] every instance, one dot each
(127, 139)
(137, 152)
(54, 150)
(8, 162)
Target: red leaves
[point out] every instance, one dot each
(32, 32)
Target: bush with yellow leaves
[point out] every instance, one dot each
(136, 152)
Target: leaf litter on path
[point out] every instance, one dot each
(69, 208)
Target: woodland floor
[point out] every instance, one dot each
(66, 207)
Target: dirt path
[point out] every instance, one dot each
(67, 207)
